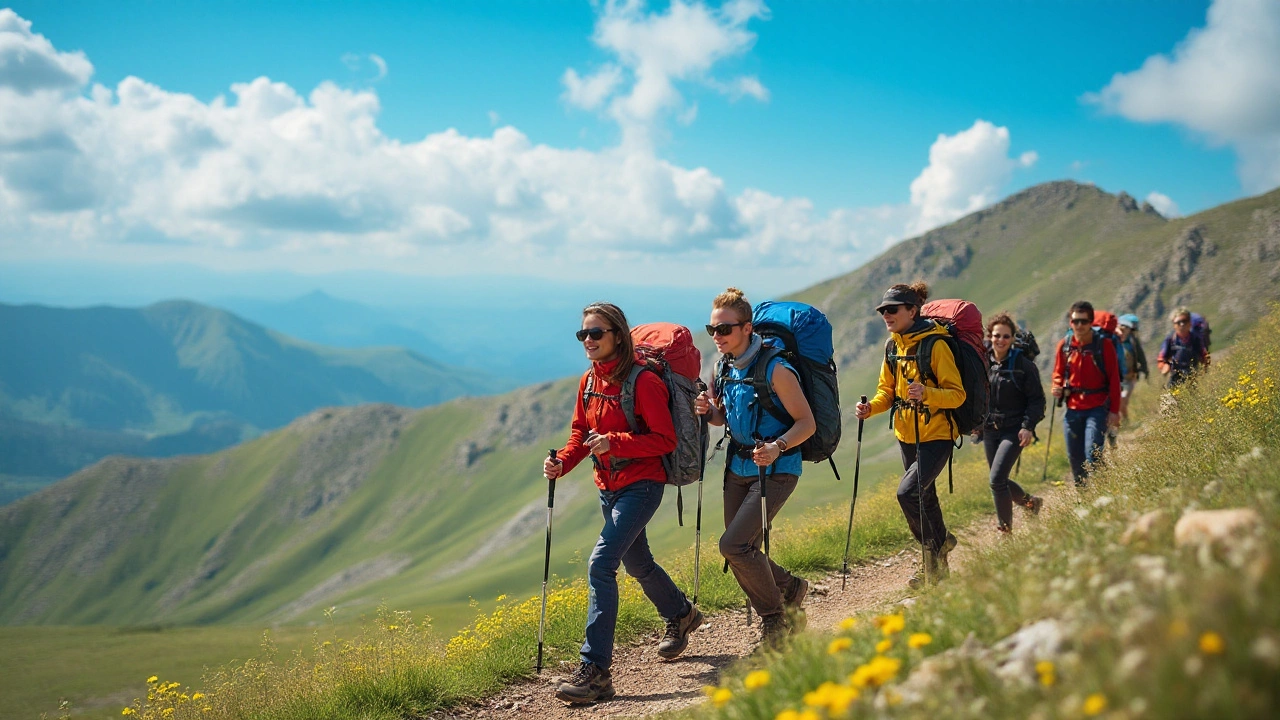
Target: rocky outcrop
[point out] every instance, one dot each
(519, 419)
(1143, 296)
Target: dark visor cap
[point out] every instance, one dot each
(898, 297)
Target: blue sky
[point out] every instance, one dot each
(805, 139)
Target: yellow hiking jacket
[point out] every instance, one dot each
(946, 394)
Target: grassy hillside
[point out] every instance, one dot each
(427, 509)
(1151, 594)
(177, 377)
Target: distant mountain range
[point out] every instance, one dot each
(179, 377)
(426, 509)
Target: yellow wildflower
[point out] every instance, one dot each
(709, 690)
(884, 645)
(128, 711)
(848, 623)
(836, 699)
(839, 645)
(197, 696)
(756, 680)
(152, 679)
(878, 671)
(890, 624)
(721, 696)
(919, 640)
(1095, 704)
(1211, 643)
(787, 715)
(166, 712)
(1047, 672)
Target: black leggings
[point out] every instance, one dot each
(929, 530)
(1002, 452)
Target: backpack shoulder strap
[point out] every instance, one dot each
(924, 358)
(589, 389)
(627, 398)
(890, 356)
(764, 392)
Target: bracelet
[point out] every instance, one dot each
(782, 444)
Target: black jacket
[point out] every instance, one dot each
(1017, 398)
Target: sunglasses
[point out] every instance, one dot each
(1000, 337)
(891, 310)
(593, 333)
(723, 329)
(1181, 322)
(1080, 321)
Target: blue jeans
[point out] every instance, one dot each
(1085, 431)
(623, 541)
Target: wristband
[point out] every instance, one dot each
(782, 444)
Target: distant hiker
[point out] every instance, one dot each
(1183, 352)
(1016, 406)
(919, 405)
(630, 475)
(1135, 362)
(1086, 372)
(757, 441)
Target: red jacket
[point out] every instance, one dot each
(645, 449)
(1085, 375)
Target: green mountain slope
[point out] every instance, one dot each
(179, 377)
(425, 509)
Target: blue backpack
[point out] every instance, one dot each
(801, 335)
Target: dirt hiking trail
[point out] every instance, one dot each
(647, 685)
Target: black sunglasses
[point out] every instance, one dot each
(1181, 322)
(593, 333)
(723, 329)
(890, 309)
(1080, 321)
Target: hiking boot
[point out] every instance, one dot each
(1004, 530)
(944, 568)
(1034, 504)
(1111, 438)
(587, 684)
(775, 629)
(936, 567)
(676, 639)
(797, 591)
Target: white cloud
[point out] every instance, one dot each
(356, 63)
(30, 64)
(1221, 80)
(269, 175)
(590, 92)
(655, 51)
(966, 172)
(1164, 204)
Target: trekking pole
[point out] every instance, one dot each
(924, 552)
(764, 507)
(1049, 443)
(697, 535)
(848, 535)
(546, 563)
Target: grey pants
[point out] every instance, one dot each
(1003, 451)
(761, 578)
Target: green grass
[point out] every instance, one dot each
(1152, 629)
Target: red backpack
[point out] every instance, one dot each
(963, 322)
(667, 350)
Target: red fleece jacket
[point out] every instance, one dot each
(1084, 375)
(656, 436)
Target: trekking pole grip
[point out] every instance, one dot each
(863, 400)
(551, 482)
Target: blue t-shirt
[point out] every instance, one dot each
(740, 417)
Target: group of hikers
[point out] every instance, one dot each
(769, 394)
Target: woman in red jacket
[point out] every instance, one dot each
(631, 479)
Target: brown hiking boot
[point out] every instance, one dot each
(797, 591)
(1004, 530)
(775, 629)
(1034, 504)
(936, 568)
(676, 638)
(587, 684)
